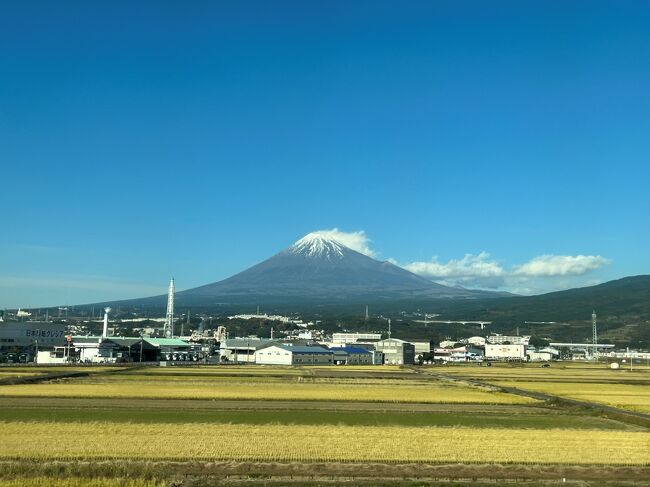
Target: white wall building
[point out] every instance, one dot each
(421, 348)
(277, 354)
(509, 339)
(542, 355)
(396, 351)
(505, 352)
(344, 338)
(476, 341)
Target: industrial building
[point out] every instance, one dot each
(505, 351)
(466, 353)
(396, 351)
(421, 348)
(349, 355)
(285, 354)
(497, 339)
(107, 350)
(21, 341)
(339, 339)
(542, 355)
(241, 350)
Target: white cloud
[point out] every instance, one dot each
(469, 266)
(560, 265)
(358, 241)
(544, 273)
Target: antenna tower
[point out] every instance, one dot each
(169, 318)
(594, 329)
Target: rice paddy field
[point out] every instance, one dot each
(622, 388)
(255, 425)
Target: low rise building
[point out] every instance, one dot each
(542, 355)
(476, 341)
(505, 351)
(21, 341)
(508, 339)
(339, 339)
(241, 350)
(396, 351)
(353, 356)
(465, 353)
(421, 348)
(285, 354)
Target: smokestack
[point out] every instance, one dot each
(169, 319)
(105, 331)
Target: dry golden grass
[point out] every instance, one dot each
(78, 482)
(205, 442)
(560, 372)
(635, 397)
(268, 370)
(222, 370)
(360, 368)
(394, 391)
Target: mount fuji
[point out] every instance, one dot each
(316, 269)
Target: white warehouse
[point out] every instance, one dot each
(505, 351)
(277, 354)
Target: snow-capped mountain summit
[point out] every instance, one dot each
(318, 245)
(320, 268)
(315, 269)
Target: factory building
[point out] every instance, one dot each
(421, 348)
(241, 350)
(21, 341)
(508, 339)
(396, 351)
(542, 355)
(505, 351)
(284, 354)
(476, 341)
(466, 353)
(109, 350)
(349, 355)
(340, 339)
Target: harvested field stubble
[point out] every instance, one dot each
(79, 482)
(389, 444)
(624, 396)
(330, 391)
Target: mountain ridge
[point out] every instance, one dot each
(316, 269)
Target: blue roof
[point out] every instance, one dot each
(349, 349)
(308, 349)
(301, 349)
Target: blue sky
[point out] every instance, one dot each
(491, 144)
